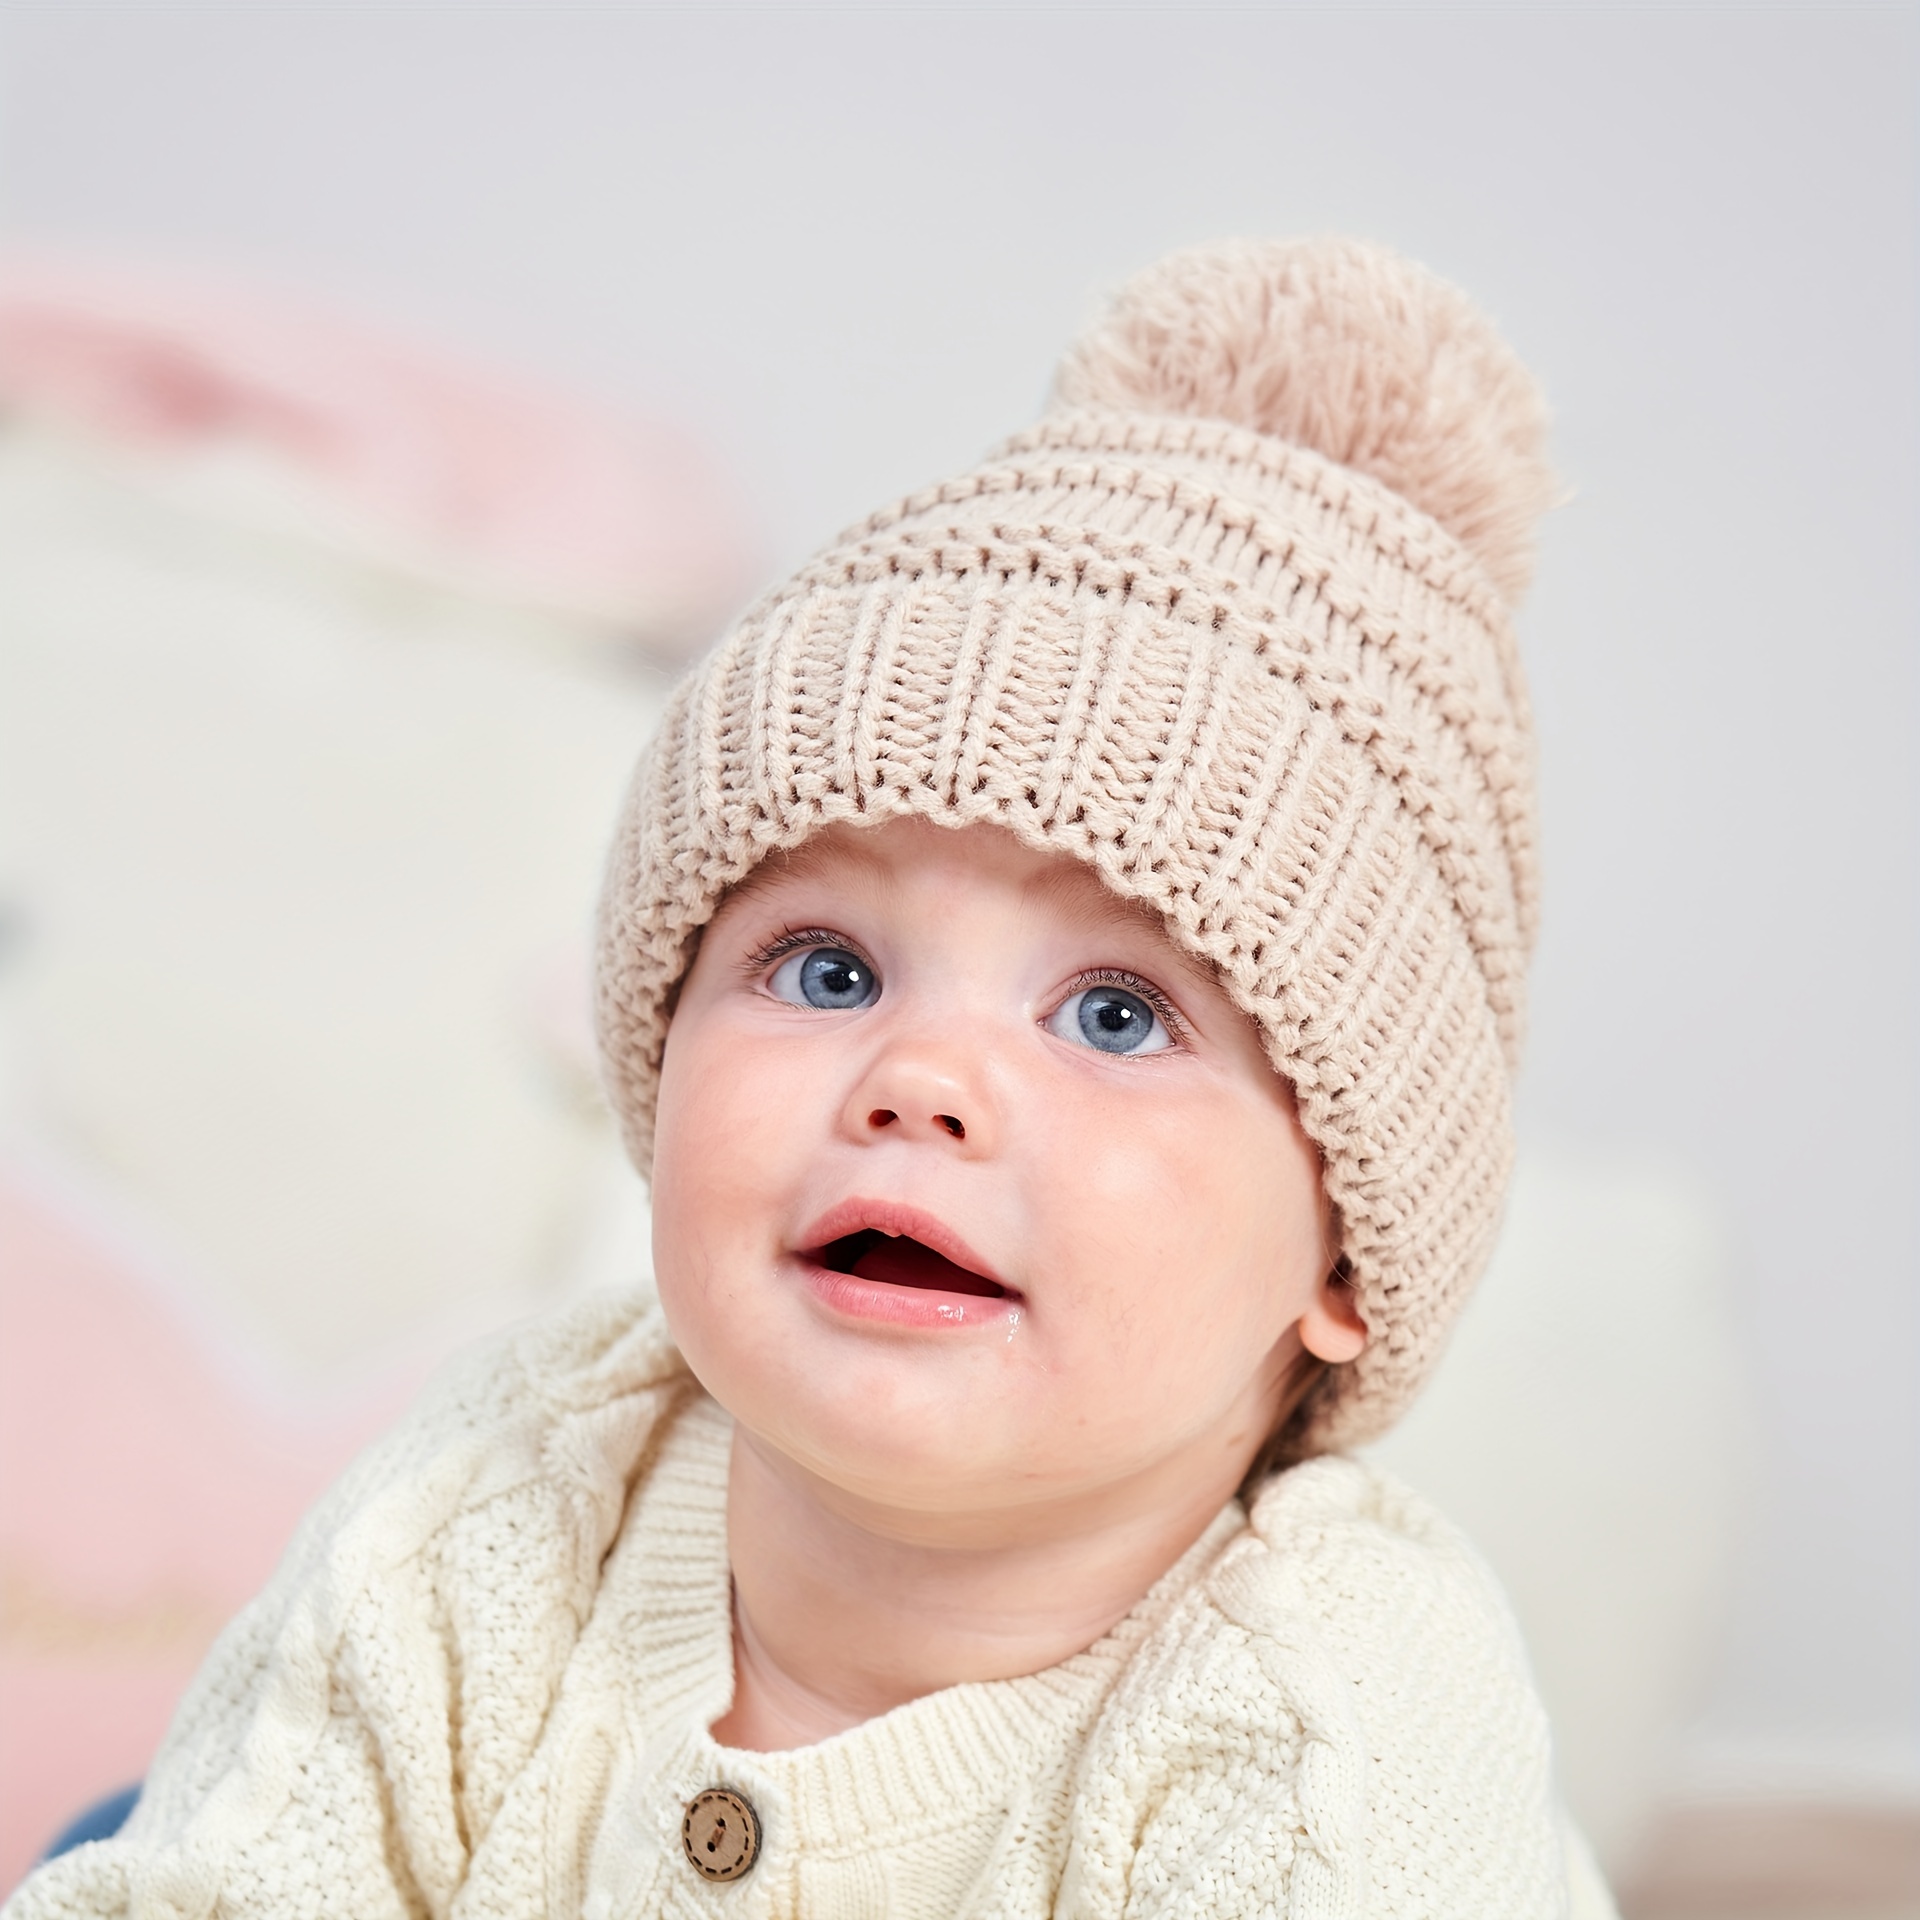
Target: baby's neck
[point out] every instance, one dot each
(844, 1610)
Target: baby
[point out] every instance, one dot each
(1061, 969)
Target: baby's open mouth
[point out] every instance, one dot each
(898, 1260)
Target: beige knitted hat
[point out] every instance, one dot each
(1231, 625)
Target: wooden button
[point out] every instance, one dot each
(721, 1833)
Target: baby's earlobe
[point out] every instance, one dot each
(1331, 1329)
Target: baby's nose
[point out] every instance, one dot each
(929, 1093)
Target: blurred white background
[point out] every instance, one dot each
(843, 248)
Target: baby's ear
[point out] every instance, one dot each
(1331, 1328)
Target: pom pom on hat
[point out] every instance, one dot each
(1349, 350)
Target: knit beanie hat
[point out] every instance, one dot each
(1230, 624)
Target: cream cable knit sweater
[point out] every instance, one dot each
(481, 1681)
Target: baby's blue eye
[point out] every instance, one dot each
(824, 977)
(1111, 1020)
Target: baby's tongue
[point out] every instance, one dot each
(906, 1263)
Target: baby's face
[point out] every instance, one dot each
(971, 1192)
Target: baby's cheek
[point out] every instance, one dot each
(710, 1186)
(1143, 1254)
(1186, 1226)
(728, 1107)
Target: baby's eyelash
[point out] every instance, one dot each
(794, 940)
(1134, 983)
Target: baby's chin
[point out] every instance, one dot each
(891, 1431)
(990, 1498)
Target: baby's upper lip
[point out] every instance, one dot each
(860, 1215)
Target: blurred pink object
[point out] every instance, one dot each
(538, 495)
(144, 1497)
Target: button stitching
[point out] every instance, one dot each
(725, 1804)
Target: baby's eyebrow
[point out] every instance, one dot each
(1100, 909)
(799, 863)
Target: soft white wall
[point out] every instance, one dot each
(846, 246)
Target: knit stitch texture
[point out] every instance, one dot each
(479, 1688)
(1227, 663)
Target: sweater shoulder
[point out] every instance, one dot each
(574, 1360)
(1377, 1567)
(564, 1399)
(1346, 1572)
(1394, 1599)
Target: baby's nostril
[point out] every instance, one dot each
(882, 1117)
(952, 1125)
